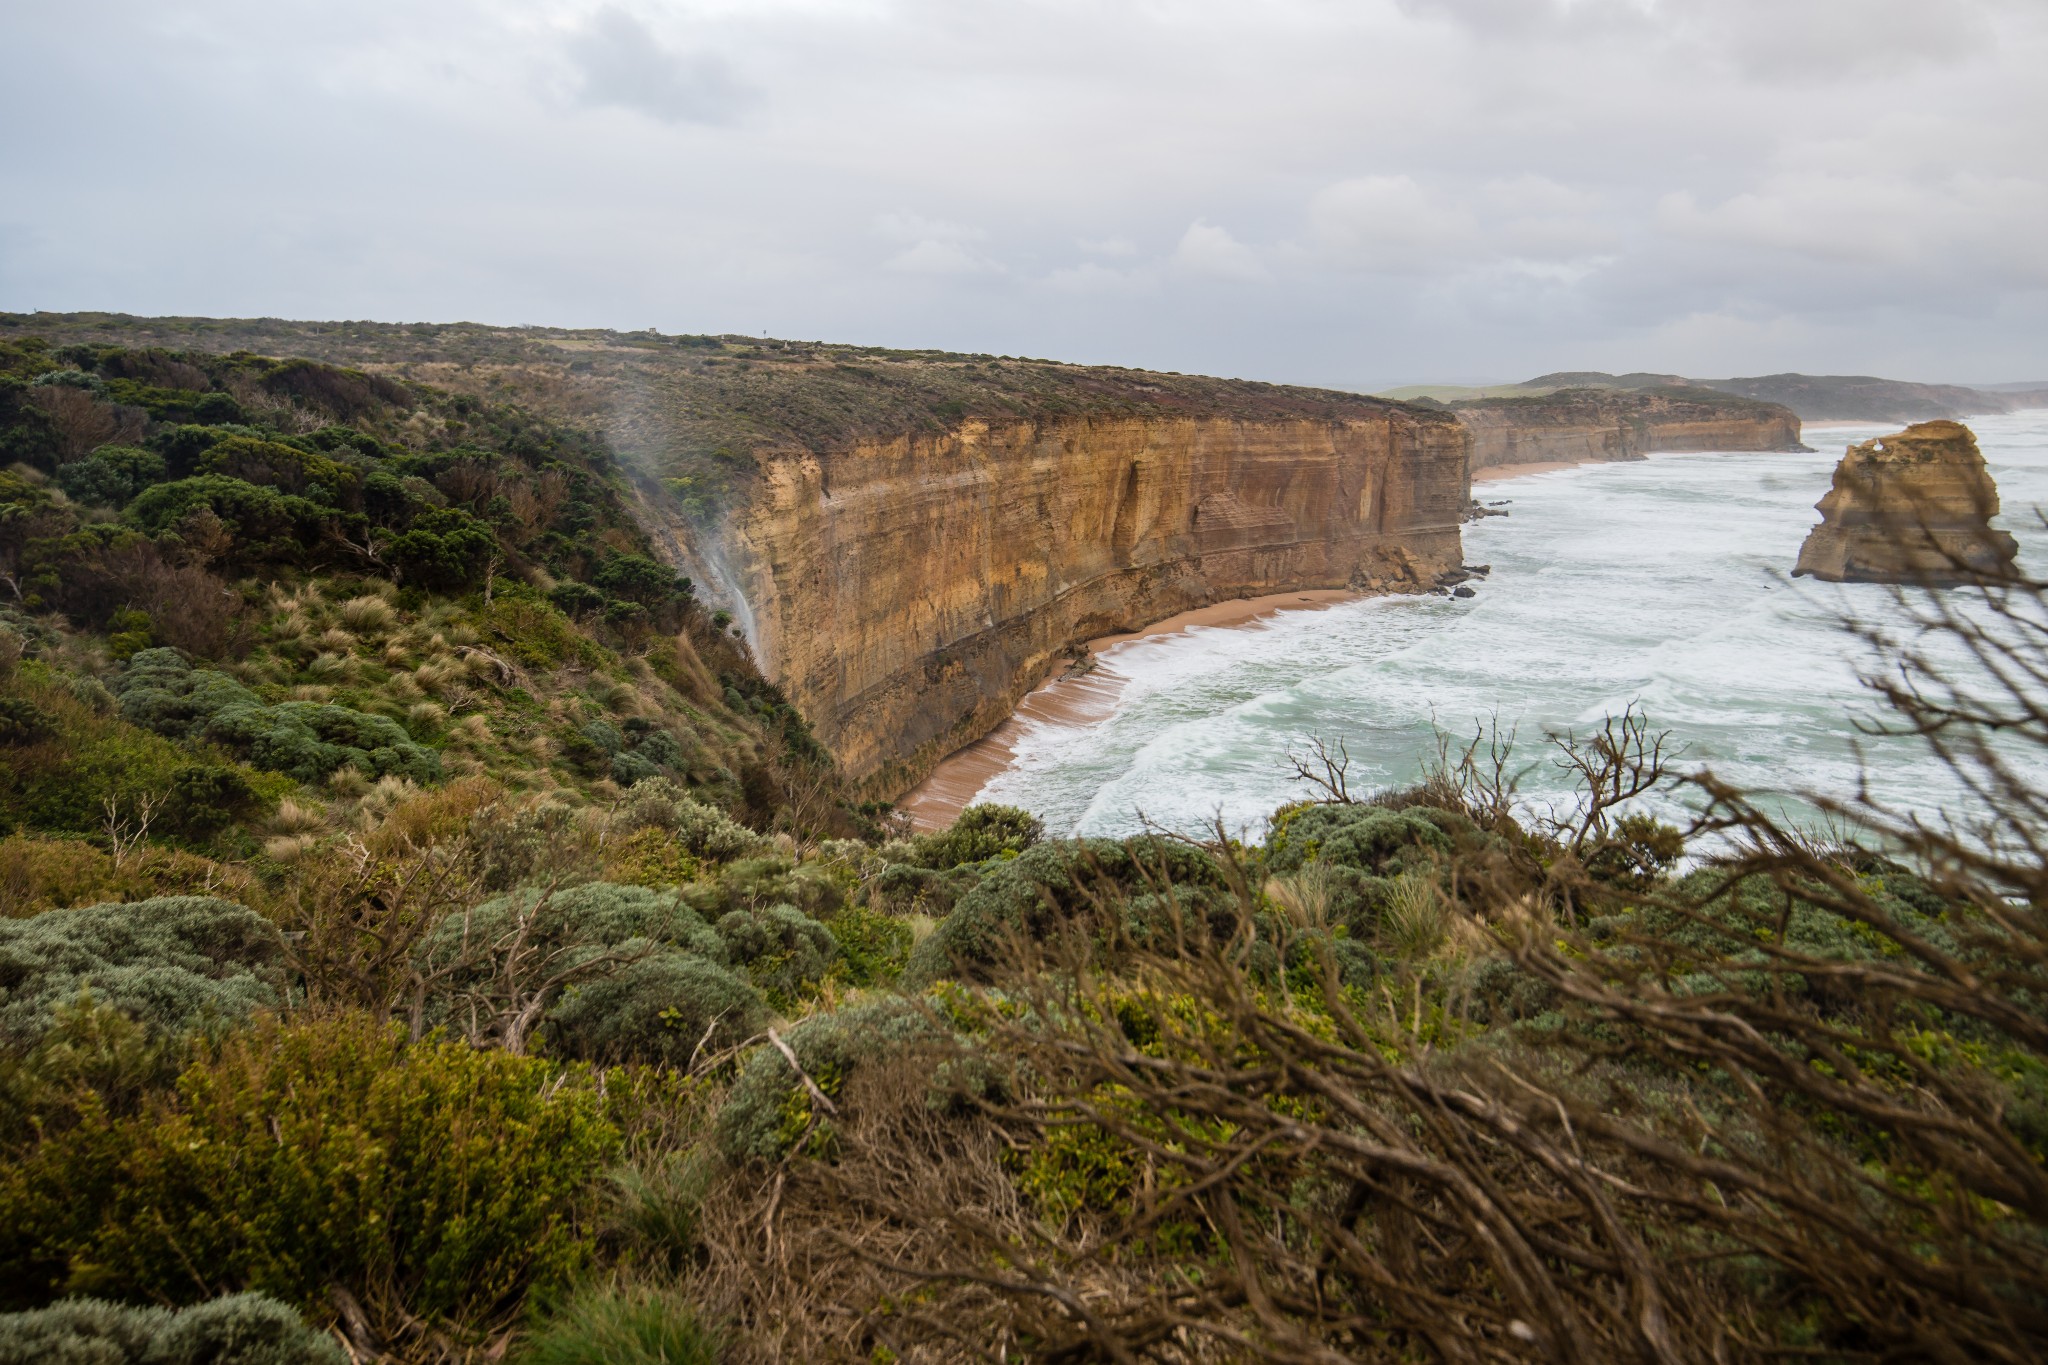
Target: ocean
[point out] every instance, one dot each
(1662, 583)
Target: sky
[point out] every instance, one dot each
(1355, 193)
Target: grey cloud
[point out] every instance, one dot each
(1350, 194)
(622, 63)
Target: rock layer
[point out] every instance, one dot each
(1577, 426)
(1914, 507)
(907, 592)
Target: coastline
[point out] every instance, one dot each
(1495, 473)
(1080, 698)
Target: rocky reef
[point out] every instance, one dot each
(1581, 425)
(1914, 507)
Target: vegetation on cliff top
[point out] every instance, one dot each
(691, 413)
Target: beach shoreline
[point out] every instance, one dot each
(1082, 697)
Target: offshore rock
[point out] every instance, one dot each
(1914, 507)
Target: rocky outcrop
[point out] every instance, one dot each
(907, 591)
(1915, 507)
(1576, 426)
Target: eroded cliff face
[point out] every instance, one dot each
(1580, 425)
(1915, 507)
(907, 592)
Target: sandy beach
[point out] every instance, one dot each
(1079, 698)
(1498, 472)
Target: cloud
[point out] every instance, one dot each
(935, 257)
(1515, 186)
(1209, 250)
(1944, 228)
(623, 64)
(1389, 223)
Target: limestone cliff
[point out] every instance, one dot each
(1915, 507)
(907, 591)
(1580, 425)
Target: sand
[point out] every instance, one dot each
(1515, 471)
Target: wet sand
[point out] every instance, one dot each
(1079, 698)
(1497, 472)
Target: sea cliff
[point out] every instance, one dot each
(907, 591)
(1578, 426)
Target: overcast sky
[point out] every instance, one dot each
(1351, 192)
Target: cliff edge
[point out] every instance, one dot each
(1914, 507)
(1581, 425)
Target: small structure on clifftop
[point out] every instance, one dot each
(1911, 508)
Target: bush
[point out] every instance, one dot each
(174, 963)
(656, 1002)
(436, 1183)
(623, 1327)
(39, 873)
(783, 950)
(1036, 894)
(703, 831)
(111, 475)
(980, 833)
(159, 691)
(659, 1009)
(770, 1111)
(241, 1329)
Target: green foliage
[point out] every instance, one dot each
(664, 1008)
(444, 548)
(111, 475)
(307, 740)
(635, 1326)
(769, 1110)
(874, 947)
(174, 963)
(980, 833)
(263, 525)
(658, 986)
(1036, 894)
(702, 831)
(784, 951)
(434, 1182)
(84, 759)
(240, 1329)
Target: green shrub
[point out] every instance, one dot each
(769, 1110)
(240, 1329)
(656, 1002)
(111, 475)
(1036, 894)
(873, 946)
(62, 780)
(659, 1009)
(174, 963)
(702, 831)
(436, 1183)
(641, 1326)
(266, 526)
(159, 691)
(783, 950)
(980, 833)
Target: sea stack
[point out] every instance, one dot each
(1915, 507)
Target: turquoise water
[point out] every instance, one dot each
(1662, 582)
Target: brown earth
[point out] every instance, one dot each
(1914, 507)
